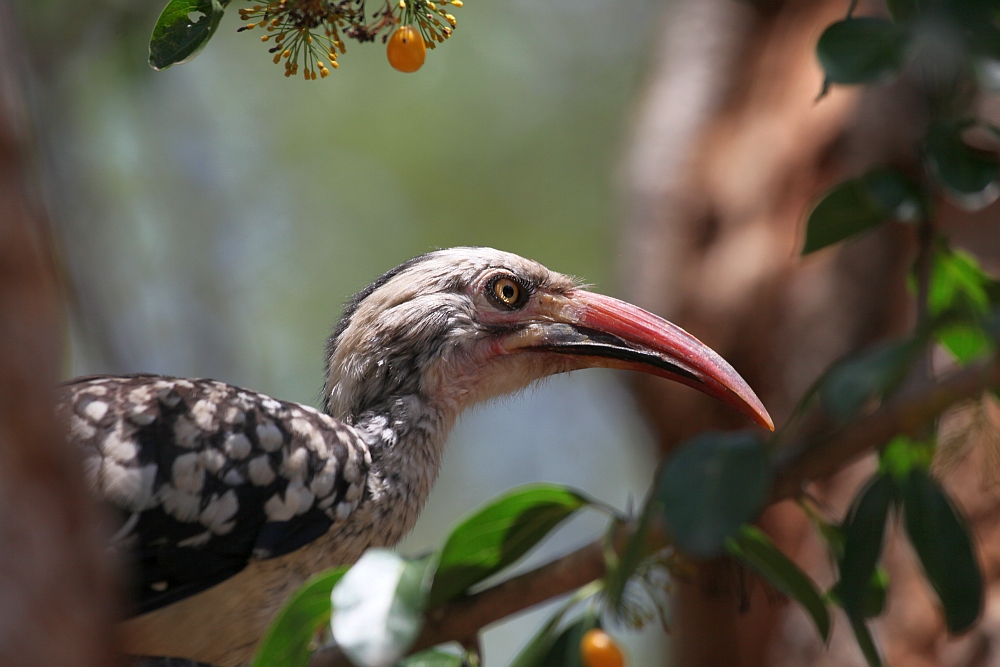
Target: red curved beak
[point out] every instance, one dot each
(604, 331)
(698, 365)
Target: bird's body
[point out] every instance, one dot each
(228, 499)
(251, 493)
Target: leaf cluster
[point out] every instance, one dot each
(961, 36)
(951, 50)
(374, 610)
(904, 488)
(959, 301)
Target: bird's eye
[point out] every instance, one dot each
(506, 292)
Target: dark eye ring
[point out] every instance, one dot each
(507, 291)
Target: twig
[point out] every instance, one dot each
(906, 413)
(796, 464)
(924, 266)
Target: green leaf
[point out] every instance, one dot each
(967, 175)
(845, 211)
(878, 591)
(902, 10)
(960, 297)
(565, 651)
(755, 549)
(862, 50)
(871, 374)
(896, 193)
(499, 534)
(432, 658)
(902, 455)
(378, 607)
(712, 485)
(296, 624)
(859, 204)
(980, 24)
(864, 533)
(535, 651)
(942, 541)
(183, 30)
(865, 641)
(957, 282)
(631, 556)
(966, 342)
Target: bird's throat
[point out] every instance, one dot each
(406, 439)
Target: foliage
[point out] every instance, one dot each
(183, 30)
(859, 204)
(860, 381)
(303, 616)
(498, 535)
(755, 549)
(710, 487)
(862, 50)
(936, 530)
(301, 31)
(377, 608)
(959, 299)
(551, 644)
(875, 50)
(942, 541)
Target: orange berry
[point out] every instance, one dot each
(598, 649)
(406, 49)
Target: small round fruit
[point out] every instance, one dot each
(598, 649)
(406, 49)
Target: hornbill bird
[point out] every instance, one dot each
(229, 499)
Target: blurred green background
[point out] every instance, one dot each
(213, 217)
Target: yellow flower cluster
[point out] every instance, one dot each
(433, 22)
(306, 33)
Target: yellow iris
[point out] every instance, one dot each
(507, 291)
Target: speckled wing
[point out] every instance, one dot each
(206, 476)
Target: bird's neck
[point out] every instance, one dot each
(405, 437)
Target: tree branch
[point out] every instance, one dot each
(906, 413)
(465, 617)
(801, 461)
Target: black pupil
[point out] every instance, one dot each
(508, 292)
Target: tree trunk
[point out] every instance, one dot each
(731, 148)
(57, 598)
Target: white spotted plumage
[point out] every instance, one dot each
(227, 450)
